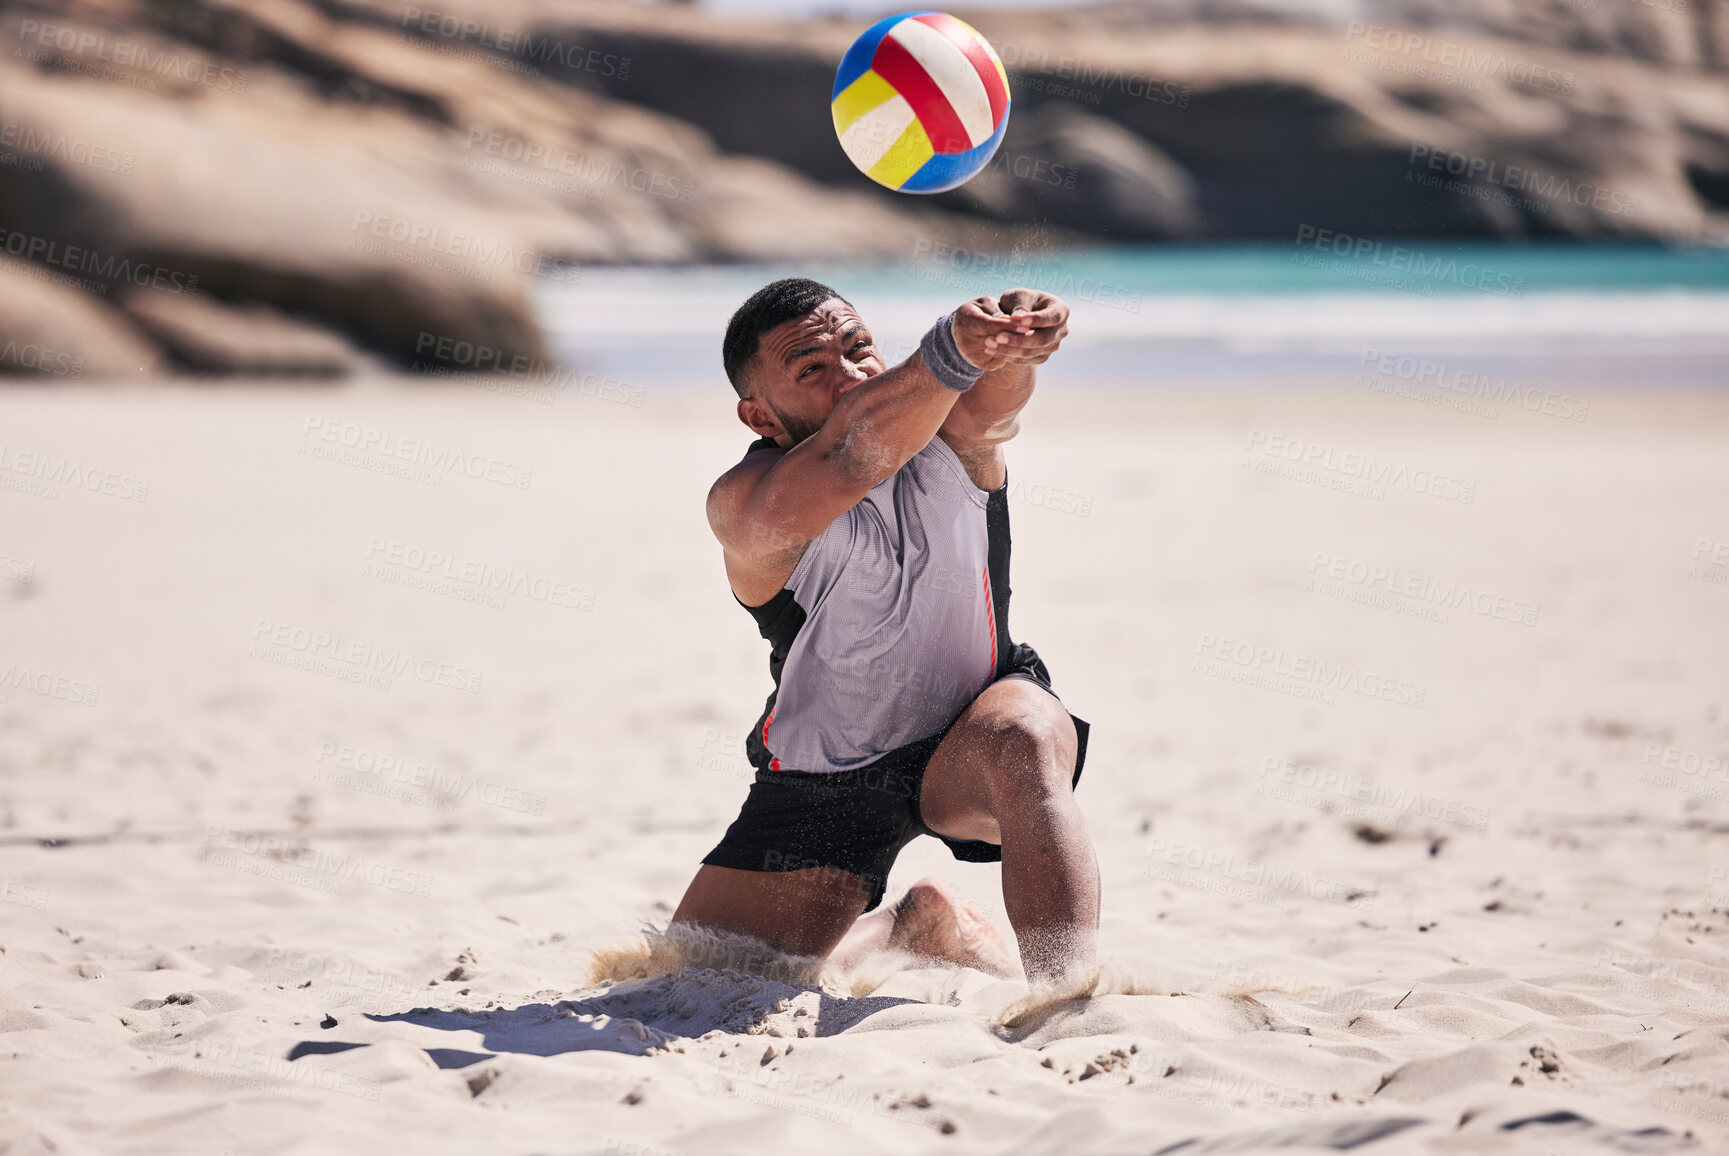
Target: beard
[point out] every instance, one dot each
(796, 429)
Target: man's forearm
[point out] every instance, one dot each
(879, 424)
(889, 418)
(991, 407)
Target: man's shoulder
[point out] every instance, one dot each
(732, 487)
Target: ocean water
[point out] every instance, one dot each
(1593, 316)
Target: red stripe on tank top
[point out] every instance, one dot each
(991, 618)
(773, 762)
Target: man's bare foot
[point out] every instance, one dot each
(929, 921)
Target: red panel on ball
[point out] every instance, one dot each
(964, 39)
(907, 76)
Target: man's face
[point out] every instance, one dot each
(801, 369)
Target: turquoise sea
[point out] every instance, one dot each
(1596, 316)
(1257, 268)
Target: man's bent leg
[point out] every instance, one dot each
(815, 912)
(1003, 774)
(803, 912)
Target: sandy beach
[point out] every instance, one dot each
(350, 736)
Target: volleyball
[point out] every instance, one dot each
(920, 102)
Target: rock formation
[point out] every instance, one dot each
(293, 186)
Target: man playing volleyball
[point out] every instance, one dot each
(867, 532)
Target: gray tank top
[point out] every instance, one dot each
(891, 624)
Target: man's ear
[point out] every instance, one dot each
(753, 413)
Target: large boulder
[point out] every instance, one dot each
(323, 175)
(1684, 33)
(55, 329)
(245, 339)
(340, 214)
(1063, 164)
(1239, 123)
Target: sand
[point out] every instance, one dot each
(330, 782)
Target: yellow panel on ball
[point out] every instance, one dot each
(858, 98)
(904, 158)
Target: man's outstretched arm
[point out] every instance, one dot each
(772, 503)
(987, 415)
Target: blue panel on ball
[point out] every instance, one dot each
(858, 58)
(946, 171)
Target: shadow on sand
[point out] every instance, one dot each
(632, 1018)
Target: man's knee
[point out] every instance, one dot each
(1031, 748)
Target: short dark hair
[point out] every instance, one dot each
(774, 304)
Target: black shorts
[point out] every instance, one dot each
(858, 820)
